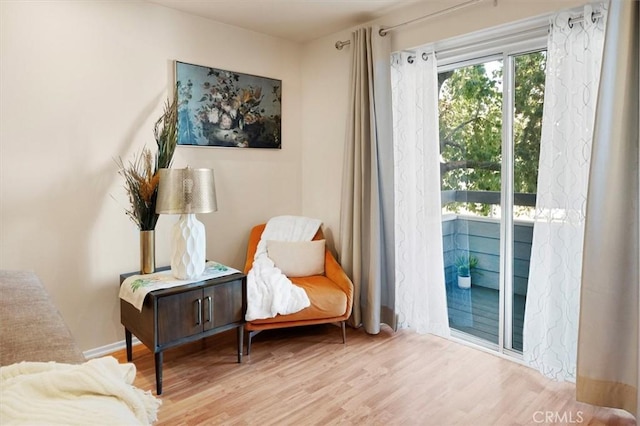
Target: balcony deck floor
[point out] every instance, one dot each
(475, 311)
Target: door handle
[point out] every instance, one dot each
(210, 309)
(198, 311)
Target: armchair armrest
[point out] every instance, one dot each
(252, 247)
(335, 273)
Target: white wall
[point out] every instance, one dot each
(325, 79)
(325, 85)
(82, 83)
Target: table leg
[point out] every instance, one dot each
(240, 342)
(158, 357)
(127, 338)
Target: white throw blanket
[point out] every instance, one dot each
(98, 392)
(269, 291)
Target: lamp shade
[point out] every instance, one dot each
(186, 191)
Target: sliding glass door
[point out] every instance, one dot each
(470, 109)
(490, 112)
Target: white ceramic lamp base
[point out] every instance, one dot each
(189, 248)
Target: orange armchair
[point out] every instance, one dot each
(331, 294)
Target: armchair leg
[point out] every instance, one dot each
(344, 331)
(250, 336)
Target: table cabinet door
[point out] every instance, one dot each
(223, 304)
(180, 315)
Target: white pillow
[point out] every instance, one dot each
(297, 258)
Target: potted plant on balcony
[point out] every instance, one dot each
(464, 264)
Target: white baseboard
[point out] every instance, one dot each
(109, 349)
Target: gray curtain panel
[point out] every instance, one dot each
(367, 208)
(608, 332)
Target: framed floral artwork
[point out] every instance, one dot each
(227, 108)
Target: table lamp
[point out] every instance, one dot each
(187, 192)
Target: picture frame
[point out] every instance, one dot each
(221, 108)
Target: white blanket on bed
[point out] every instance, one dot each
(269, 291)
(98, 392)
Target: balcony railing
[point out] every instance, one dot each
(485, 197)
(480, 236)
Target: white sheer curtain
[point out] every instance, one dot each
(420, 286)
(553, 295)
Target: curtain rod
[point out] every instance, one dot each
(384, 31)
(595, 15)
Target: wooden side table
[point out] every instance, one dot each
(178, 315)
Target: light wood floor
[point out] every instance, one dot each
(306, 376)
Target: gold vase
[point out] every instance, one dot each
(147, 252)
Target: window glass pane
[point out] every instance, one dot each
(529, 79)
(527, 127)
(470, 109)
